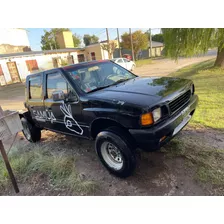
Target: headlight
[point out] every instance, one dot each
(156, 114)
(192, 89)
(151, 117)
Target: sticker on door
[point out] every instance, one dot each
(69, 120)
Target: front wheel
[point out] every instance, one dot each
(115, 153)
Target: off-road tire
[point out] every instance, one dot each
(35, 132)
(123, 142)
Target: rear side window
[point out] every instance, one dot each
(120, 61)
(56, 82)
(35, 87)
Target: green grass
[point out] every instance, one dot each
(59, 169)
(201, 155)
(142, 62)
(207, 161)
(209, 85)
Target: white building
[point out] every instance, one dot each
(15, 67)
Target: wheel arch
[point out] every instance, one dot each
(100, 124)
(26, 115)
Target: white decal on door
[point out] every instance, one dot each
(44, 116)
(69, 120)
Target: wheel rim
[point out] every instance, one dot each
(26, 130)
(112, 155)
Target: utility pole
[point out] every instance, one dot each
(150, 31)
(108, 43)
(118, 39)
(132, 50)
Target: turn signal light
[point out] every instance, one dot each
(162, 138)
(147, 119)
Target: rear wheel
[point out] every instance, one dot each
(115, 151)
(31, 132)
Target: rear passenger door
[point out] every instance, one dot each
(35, 98)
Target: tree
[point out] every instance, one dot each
(193, 41)
(88, 39)
(110, 48)
(140, 41)
(158, 37)
(48, 40)
(76, 40)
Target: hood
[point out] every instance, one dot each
(144, 91)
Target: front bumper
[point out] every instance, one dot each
(150, 138)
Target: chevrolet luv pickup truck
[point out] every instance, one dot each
(102, 101)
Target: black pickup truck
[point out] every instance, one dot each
(102, 101)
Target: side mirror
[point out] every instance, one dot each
(58, 95)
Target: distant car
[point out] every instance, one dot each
(129, 65)
(128, 56)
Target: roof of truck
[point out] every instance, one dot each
(68, 67)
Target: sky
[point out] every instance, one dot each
(34, 34)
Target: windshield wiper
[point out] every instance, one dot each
(98, 88)
(119, 81)
(103, 87)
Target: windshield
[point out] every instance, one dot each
(100, 75)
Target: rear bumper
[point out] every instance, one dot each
(149, 139)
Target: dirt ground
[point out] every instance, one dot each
(156, 173)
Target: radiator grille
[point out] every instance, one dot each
(179, 102)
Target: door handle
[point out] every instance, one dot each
(49, 108)
(31, 107)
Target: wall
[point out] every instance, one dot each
(156, 51)
(7, 48)
(68, 39)
(65, 40)
(123, 51)
(94, 48)
(44, 62)
(14, 37)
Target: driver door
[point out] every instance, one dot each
(128, 64)
(61, 116)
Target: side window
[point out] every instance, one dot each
(93, 55)
(125, 60)
(120, 61)
(55, 82)
(35, 87)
